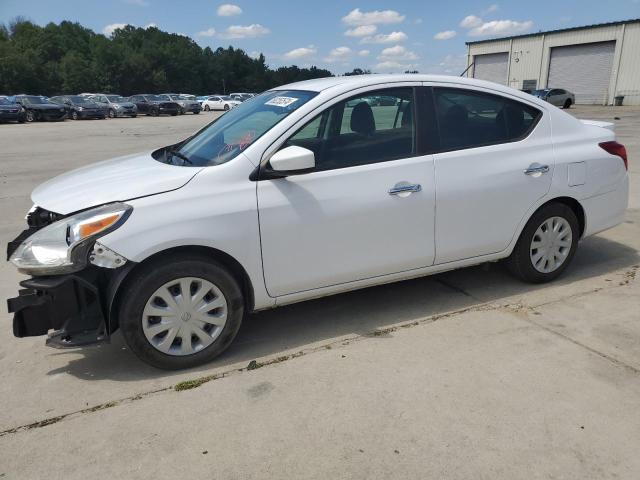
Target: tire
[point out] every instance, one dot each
(567, 103)
(226, 108)
(134, 115)
(174, 114)
(206, 108)
(196, 112)
(155, 113)
(181, 112)
(74, 115)
(112, 113)
(521, 260)
(142, 290)
(30, 116)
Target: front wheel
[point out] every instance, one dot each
(74, 115)
(30, 116)
(112, 113)
(226, 108)
(181, 313)
(206, 108)
(546, 245)
(567, 103)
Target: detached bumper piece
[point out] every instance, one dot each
(68, 304)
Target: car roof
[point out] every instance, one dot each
(347, 83)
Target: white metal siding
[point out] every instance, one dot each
(492, 67)
(584, 70)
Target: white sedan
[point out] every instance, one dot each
(219, 103)
(308, 190)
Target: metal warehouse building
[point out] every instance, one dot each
(595, 62)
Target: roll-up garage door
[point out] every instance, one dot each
(492, 67)
(584, 70)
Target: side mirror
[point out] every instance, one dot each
(292, 160)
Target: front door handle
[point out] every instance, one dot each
(407, 188)
(536, 168)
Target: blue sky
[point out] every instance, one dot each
(384, 36)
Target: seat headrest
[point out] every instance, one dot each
(362, 120)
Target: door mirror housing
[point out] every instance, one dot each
(292, 160)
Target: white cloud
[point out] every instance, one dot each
(151, 25)
(492, 8)
(302, 52)
(364, 53)
(393, 66)
(209, 32)
(471, 21)
(358, 17)
(446, 35)
(255, 54)
(137, 3)
(393, 37)
(501, 27)
(397, 53)
(245, 31)
(338, 54)
(228, 10)
(361, 31)
(109, 29)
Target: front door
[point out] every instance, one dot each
(366, 210)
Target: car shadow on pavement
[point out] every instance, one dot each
(360, 313)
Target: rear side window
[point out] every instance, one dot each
(468, 119)
(368, 128)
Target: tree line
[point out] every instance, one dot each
(68, 58)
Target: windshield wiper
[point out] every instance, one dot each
(181, 156)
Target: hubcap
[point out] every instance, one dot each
(184, 316)
(551, 244)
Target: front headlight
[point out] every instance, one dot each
(80, 109)
(63, 246)
(117, 107)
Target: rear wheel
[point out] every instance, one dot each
(206, 108)
(182, 313)
(567, 103)
(546, 245)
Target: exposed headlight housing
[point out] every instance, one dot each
(63, 246)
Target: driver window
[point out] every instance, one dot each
(369, 128)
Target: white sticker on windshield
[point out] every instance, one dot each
(281, 101)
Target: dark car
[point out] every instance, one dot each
(78, 107)
(186, 104)
(154, 105)
(37, 108)
(11, 111)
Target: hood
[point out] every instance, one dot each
(124, 104)
(45, 106)
(114, 180)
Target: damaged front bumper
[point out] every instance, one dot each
(71, 305)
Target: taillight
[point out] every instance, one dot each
(615, 148)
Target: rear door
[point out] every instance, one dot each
(366, 210)
(494, 161)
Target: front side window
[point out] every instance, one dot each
(369, 128)
(231, 133)
(468, 119)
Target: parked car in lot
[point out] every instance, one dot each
(220, 102)
(305, 192)
(556, 96)
(36, 108)
(154, 105)
(78, 107)
(115, 105)
(186, 104)
(11, 111)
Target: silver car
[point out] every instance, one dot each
(186, 103)
(117, 106)
(556, 96)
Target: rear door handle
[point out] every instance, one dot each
(398, 189)
(536, 168)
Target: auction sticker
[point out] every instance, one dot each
(281, 101)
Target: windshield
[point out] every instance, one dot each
(186, 97)
(78, 100)
(4, 101)
(230, 134)
(540, 93)
(33, 100)
(227, 98)
(157, 98)
(116, 98)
